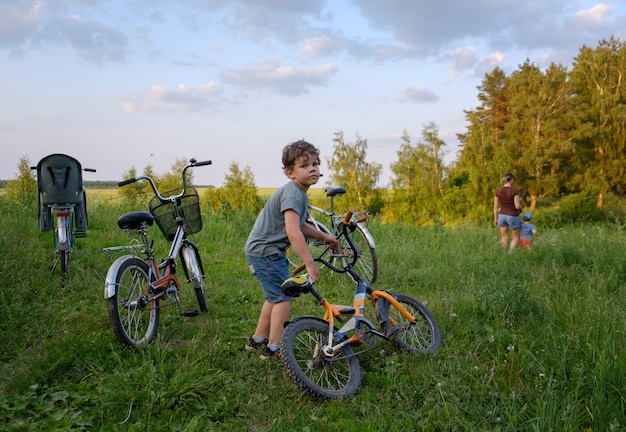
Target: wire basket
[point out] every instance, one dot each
(165, 214)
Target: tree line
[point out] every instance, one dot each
(561, 132)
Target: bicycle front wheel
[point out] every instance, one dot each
(319, 375)
(133, 316)
(193, 270)
(423, 337)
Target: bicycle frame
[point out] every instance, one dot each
(63, 237)
(336, 220)
(136, 283)
(165, 273)
(161, 275)
(357, 320)
(322, 357)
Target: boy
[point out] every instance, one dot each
(280, 224)
(528, 231)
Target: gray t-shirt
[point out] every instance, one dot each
(269, 236)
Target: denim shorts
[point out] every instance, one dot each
(271, 271)
(513, 222)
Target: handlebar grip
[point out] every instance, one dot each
(127, 181)
(348, 217)
(89, 169)
(203, 163)
(298, 269)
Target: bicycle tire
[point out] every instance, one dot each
(315, 246)
(134, 319)
(367, 262)
(320, 377)
(63, 243)
(64, 259)
(191, 259)
(423, 337)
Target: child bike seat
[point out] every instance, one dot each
(134, 220)
(296, 286)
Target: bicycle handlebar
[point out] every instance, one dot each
(192, 163)
(203, 163)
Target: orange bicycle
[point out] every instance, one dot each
(321, 357)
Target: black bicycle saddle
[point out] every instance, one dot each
(134, 220)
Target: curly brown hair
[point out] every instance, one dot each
(292, 152)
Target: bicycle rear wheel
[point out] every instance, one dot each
(422, 337)
(319, 375)
(367, 263)
(316, 247)
(63, 243)
(134, 318)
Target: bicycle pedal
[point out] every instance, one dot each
(393, 331)
(80, 234)
(190, 313)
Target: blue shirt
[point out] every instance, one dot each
(527, 231)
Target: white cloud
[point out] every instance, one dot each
(182, 98)
(282, 79)
(595, 17)
(417, 95)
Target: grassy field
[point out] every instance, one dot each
(532, 341)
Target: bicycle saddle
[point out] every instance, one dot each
(331, 192)
(134, 220)
(296, 286)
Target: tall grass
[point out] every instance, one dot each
(533, 341)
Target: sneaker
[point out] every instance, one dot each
(253, 345)
(268, 352)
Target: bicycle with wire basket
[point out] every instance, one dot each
(135, 283)
(363, 241)
(322, 357)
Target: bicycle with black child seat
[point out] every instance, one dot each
(363, 241)
(135, 283)
(322, 357)
(62, 205)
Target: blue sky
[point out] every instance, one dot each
(128, 83)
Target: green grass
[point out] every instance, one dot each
(532, 341)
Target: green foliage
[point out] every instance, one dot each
(556, 130)
(580, 207)
(24, 185)
(417, 187)
(239, 193)
(43, 409)
(171, 180)
(349, 169)
(532, 341)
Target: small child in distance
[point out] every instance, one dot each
(528, 231)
